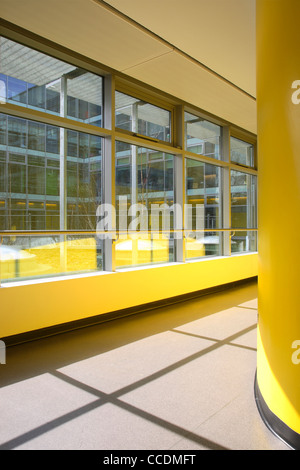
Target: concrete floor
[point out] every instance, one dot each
(175, 378)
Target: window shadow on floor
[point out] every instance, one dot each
(39, 356)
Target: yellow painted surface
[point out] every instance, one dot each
(50, 258)
(80, 255)
(38, 305)
(141, 250)
(274, 391)
(278, 66)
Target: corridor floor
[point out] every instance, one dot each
(179, 377)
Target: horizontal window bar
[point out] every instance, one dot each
(135, 139)
(41, 117)
(83, 232)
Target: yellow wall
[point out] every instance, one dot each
(278, 66)
(36, 305)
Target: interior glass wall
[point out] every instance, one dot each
(243, 211)
(31, 164)
(203, 209)
(84, 180)
(53, 179)
(35, 80)
(30, 175)
(142, 118)
(144, 205)
(202, 137)
(241, 152)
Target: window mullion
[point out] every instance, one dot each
(63, 176)
(108, 173)
(179, 186)
(226, 192)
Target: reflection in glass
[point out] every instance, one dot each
(243, 210)
(84, 97)
(16, 89)
(2, 176)
(144, 198)
(16, 132)
(241, 152)
(243, 241)
(202, 137)
(36, 136)
(3, 126)
(30, 172)
(17, 178)
(243, 200)
(28, 178)
(36, 80)
(203, 244)
(203, 209)
(142, 118)
(29, 257)
(84, 171)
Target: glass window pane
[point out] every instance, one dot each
(52, 139)
(2, 214)
(72, 143)
(2, 177)
(17, 132)
(37, 97)
(52, 213)
(36, 180)
(17, 178)
(14, 157)
(243, 241)
(52, 97)
(3, 127)
(202, 137)
(52, 182)
(84, 180)
(16, 90)
(241, 152)
(35, 256)
(142, 118)
(30, 199)
(85, 97)
(31, 193)
(203, 209)
(243, 200)
(39, 81)
(144, 201)
(243, 211)
(36, 136)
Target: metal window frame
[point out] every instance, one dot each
(151, 100)
(115, 81)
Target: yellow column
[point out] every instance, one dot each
(278, 103)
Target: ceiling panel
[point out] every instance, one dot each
(176, 75)
(217, 33)
(85, 27)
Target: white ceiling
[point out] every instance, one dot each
(217, 33)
